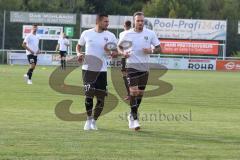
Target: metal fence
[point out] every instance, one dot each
(11, 37)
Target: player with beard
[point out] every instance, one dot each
(94, 68)
(142, 40)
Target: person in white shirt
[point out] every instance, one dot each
(31, 44)
(127, 26)
(94, 68)
(62, 47)
(137, 55)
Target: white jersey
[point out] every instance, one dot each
(95, 56)
(145, 39)
(121, 34)
(63, 44)
(32, 42)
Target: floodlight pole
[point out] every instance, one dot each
(42, 41)
(3, 35)
(225, 46)
(80, 26)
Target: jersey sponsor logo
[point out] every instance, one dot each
(106, 39)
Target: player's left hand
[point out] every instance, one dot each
(114, 54)
(38, 52)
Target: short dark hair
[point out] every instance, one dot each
(35, 25)
(138, 14)
(128, 24)
(100, 16)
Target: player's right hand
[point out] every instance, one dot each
(38, 52)
(126, 54)
(31, 52)
(80, 58)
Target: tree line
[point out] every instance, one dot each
(195, 9)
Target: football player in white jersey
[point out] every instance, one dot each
(94, 68)
(31, 44)
(62, 47)
(127, 26)
(141, 40)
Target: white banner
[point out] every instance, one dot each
(38, 17)
(188, 28)
(238, 27)
(89, 21)
(44, 32)
(169, 28)
(21, 59)
(202, 64)
(170, 63)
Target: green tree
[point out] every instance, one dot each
(10, 4)
(174, 8)
(157, 8)
(230, 12)
(53, 5)
(124, 7)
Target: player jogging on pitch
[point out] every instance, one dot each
(141, 40)
(62, 47)
(94, 68)
(31, 43)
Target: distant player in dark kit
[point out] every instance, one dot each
(94, 68)
(62, 47)
(31, 44)
(127, 26)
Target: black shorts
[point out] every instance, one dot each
(137, 78)
(32, 59)
(95, 83)
(123, 63)
(63, 53)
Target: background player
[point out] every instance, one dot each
(127, 26)
(31, 44)
(62, 47)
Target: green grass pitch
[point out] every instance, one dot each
(207, 127)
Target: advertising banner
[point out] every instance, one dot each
(38, 17)
(228, 65)
(44, 32)
(188, 28)
(189, 47)
(170, 63)
(202, 64)
(169, 28)
(21, 59)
